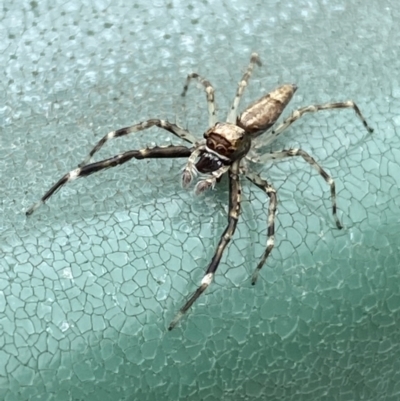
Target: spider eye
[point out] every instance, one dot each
(220, 149)
(217, 147)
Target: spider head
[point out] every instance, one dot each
(225, 143)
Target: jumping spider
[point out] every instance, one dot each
(225, 146)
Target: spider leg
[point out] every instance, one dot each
(255, 59)
(279, 155)
(234, 210)
(273, 201)
(150, 153)
(318, 107)
(212, 118)
(173, 128)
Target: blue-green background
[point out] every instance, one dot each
(90, 282)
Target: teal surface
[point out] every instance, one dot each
(90, 282)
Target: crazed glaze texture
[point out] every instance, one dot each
(88, 286)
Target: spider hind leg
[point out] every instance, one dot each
(283, 154)
(273, 201)
(319, 107)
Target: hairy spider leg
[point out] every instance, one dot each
(88, 169)
(234, 210)
(279, 155)
(273, 201)
(173, 128)
(232, 115)
(212, 117)
(318, 107)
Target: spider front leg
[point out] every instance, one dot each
(273, 201)
(276, 156)
(212, 118)
(234, 210)
(318, 107)
(88, 169)
(173, 128)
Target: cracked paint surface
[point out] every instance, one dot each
(89, 283)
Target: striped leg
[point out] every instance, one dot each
(212, 118)
(255, 59)
(270, 191)
(234, 210)
(318, 107)
(157, 152)
(175, 129)
(276, 156)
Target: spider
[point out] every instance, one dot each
(223, 150)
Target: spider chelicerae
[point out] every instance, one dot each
(223, 151)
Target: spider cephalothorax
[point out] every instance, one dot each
(225, 143)
(225, 146)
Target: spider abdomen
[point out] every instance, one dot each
(262, 114)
